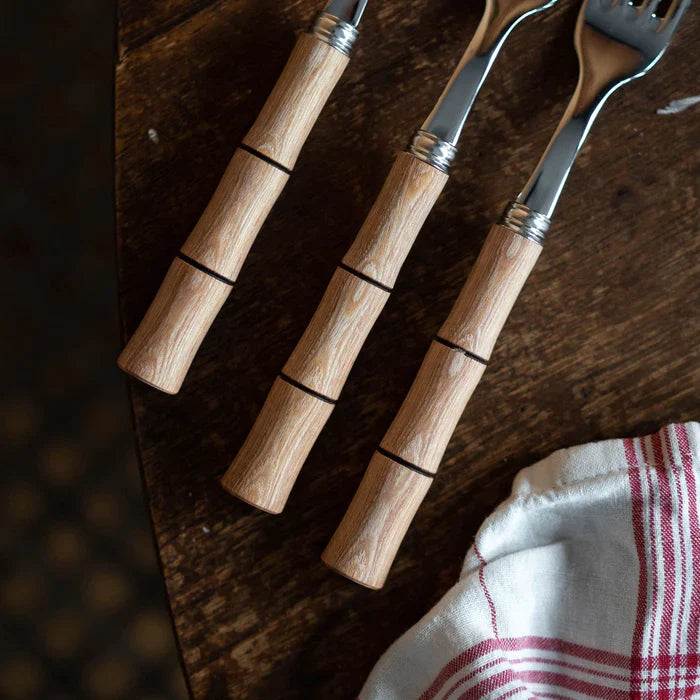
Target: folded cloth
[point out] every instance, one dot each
(584, 583)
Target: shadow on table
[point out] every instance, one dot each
(81, 598)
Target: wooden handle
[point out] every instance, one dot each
(331, 342)
(365, 544)
(494, 284)
(163, 346)
(398, 214)
(161, 350)
(267, 465)
(303, 397)
(320, 364)
(219, 243)
(291, 110)
(418, 436)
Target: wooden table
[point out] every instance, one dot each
(602, 343)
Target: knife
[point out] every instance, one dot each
(200, 278)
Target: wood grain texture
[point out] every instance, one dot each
(163, 346)
(291, 419)
(297, 99)
(491, 289)
(602, 342)
(396, 218)
(265, 469)
(433, 406)
(423, 427)
(367, 539)
(227, 229)
(331, 342)
(225, 232)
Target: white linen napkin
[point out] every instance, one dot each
(584, 583)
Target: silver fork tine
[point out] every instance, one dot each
(674, 15)
(645, 38)
(648, 8)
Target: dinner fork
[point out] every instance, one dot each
(615, 42)
(303, 395)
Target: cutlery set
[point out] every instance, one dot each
(615, 42)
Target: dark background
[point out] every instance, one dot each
(82, 605)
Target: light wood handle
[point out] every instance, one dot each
(161, 350)
(398, 214)
(163, 346)
(493, 286)
(418, 436)
(324, 356)
(291, 110)
(365, 545)
(267, 465)
(320, 364)
(303, 397)
(221, 240)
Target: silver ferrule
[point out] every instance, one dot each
(334, 31)
(432, 150)
(526, 222)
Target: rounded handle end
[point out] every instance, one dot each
(161, 350)
(266, 467)
(366, 541)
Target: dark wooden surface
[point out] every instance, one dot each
(602, 343)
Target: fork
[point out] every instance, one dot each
(303, 395)
(200, 278)
(615, 42)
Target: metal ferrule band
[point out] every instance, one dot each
(432, 150)
(334, 31)
(526, 222)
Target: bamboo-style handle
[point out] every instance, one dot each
(365, 543)
(163, 346)
(178, 319)
(161, 355)
(376, 522)
(283, 428)
(291, 110)
(320, 364)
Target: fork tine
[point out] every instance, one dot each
(648, 8)
(674, 15)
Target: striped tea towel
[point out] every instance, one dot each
(585, 583)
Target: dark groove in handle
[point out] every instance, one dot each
(452, 346)
(267, 159)
(204, 269)
(311, 392)
(365, 278)
(404, 463)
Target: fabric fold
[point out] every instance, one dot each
(584, 583)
